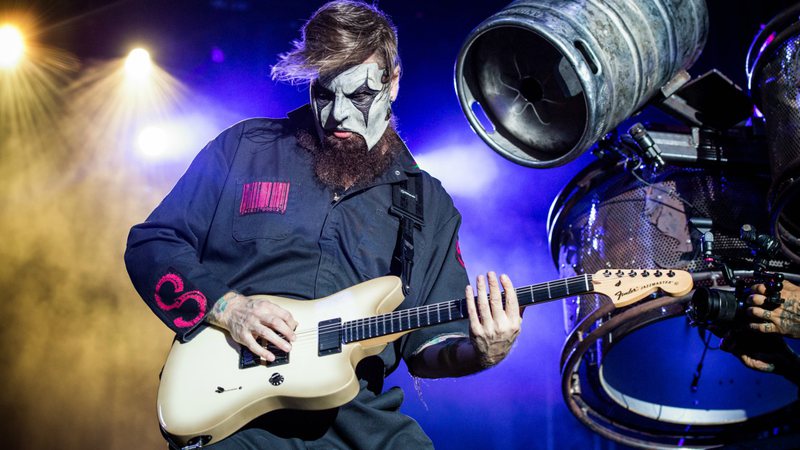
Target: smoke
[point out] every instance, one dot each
(82, 351)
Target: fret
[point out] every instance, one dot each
(427, 315)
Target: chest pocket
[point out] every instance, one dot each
(264, 210)
(377, 246)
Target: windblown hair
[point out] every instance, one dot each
(340, 34)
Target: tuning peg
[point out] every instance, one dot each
(632, 273)
(658, 273)
(671, 274)
(645, 273)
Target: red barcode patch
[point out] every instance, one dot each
(264, 196)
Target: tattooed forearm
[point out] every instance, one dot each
(214, 316)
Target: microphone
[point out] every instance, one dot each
(646, 143)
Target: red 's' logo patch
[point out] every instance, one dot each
(192, 296)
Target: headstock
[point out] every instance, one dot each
(626, 286)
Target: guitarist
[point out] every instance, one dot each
(300, 207)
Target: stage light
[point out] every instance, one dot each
(138, 65)
(174, 139)
(464, 170)
(152, 142)
(12, 46)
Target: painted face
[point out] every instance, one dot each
(355, 101)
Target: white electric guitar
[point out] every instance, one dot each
(211, 386)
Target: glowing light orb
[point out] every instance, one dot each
(153, 143)
(138, 65)
(12, 46)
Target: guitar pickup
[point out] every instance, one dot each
(329, 337)
(249, 359)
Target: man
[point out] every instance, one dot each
(299, 208)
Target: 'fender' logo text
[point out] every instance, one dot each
(621, 294)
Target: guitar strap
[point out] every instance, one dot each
(407, 206)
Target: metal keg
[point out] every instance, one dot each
(542, 80)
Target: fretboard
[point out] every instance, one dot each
(429, 315)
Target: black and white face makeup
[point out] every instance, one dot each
(355, 101)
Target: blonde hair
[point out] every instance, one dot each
(338, 35)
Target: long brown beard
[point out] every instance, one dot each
(346, 163)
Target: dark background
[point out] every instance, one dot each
(82, 352)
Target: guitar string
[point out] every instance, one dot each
(437, 308)
(417, 313)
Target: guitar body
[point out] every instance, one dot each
(204, 392)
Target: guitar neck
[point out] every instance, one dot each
(429, 315)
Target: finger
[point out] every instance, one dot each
(757, 364)
(764, 314)
(272, 337)
(253, 345)
(287, 318)
(279, 326)
(483, 303)
(759, 289)
(512, 303)
(496, 298)
(756, 299)
(474, 321)
(768, 327)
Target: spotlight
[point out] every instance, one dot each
(12, 46)
(138, 65)
(153, 143)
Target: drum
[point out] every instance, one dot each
(773, 78)
(643, 375)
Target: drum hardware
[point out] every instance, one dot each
(710, 100)
(723, 309)
(704, 225)
(650, 152)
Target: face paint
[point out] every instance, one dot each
(354, 101)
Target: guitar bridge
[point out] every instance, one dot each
(330, 337)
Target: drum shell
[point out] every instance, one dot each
(619, 54)
(775, 80)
